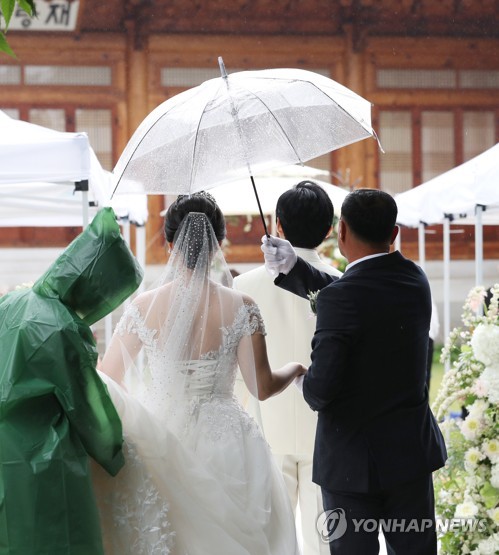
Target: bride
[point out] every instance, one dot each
(199, 477)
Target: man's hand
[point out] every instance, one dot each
(280, 256)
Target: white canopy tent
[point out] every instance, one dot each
(238, 197)
(469, 194)
(29, 153)
(39, 168)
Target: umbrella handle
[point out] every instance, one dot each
(259, 206)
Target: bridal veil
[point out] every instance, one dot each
(200, 478)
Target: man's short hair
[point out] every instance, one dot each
(306, 214)
(371, 214)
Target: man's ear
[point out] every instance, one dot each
(395, 232)
(278, 226)
(342, 230)
(328, 233)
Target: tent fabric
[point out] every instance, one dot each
(29, 152)
(453, 197)
(455, 192)
(238, 197)
(41, 205)
(38, 168)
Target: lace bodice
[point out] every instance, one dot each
(210, 378)
(216, 367)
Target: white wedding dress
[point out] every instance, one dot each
(199, 477)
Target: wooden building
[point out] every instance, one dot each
(430, 68)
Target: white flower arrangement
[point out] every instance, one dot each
(468, 485)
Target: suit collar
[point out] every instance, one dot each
(375, 262)
(359, 260)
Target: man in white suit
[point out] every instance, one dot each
(304, 217)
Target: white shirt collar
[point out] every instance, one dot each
(309, 255)
(365, 258)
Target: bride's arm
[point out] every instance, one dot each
(123, 349)
(254, 365)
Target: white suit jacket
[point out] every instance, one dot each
(288, 422)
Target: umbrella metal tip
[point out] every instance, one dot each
(222, 67)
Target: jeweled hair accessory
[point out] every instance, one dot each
(204, 194)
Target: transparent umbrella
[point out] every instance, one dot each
(238, 125)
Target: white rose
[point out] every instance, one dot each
(491, 449)
(477, 409)
(467, 509)
(490, 379)
(494, 478)
(472, 457)
(489, 546)
(479, 388)
(471, 427)
(494, 515)
(485, 344)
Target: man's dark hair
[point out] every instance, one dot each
(371, 214)
(306, 214)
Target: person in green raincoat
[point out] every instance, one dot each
(54, 410)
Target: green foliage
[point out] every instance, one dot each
(4, 45)
(7, 8)
(329, 249)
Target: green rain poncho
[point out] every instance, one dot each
(54, 409)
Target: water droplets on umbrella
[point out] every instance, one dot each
(237, 126)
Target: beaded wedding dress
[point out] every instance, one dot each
(199, 478)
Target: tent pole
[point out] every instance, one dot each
(422, 245)
(83, 187)
(479, 209)
(398, 240)
(446, 245)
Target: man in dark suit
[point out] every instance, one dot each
(377, 441)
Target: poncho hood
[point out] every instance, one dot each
(95, 273)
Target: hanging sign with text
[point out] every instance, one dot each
(56, 15)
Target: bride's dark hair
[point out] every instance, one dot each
(197, 203)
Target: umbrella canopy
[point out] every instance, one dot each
(238, 125)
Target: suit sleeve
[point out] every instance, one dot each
(303, 279)
(85, 400)
(335, 337)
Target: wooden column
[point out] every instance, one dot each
(354, 157)
(136, 78)
(137, 110)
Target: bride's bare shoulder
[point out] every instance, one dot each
(241, 298)
(148, 298)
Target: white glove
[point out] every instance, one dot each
(299, 382)
(280, 256)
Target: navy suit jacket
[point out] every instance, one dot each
(375, 429)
